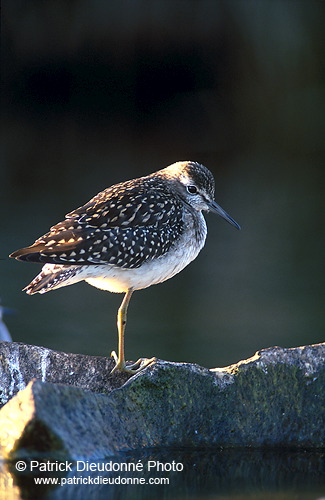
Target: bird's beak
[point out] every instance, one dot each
(216, 209)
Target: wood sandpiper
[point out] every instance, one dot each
(130, 236)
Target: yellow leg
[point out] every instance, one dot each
(121, 323)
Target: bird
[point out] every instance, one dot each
(130, 236)
(4, 332)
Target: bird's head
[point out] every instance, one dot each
(194, 184)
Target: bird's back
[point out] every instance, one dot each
(124, 225)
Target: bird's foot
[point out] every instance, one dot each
(134, 368)
(139, 365)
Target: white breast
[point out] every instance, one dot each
(152, 272)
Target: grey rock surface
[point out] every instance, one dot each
(20, 363)
(274, 399)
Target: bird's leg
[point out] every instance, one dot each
(120, 359)
(121, 322)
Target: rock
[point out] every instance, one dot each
(274, 399)
(20, 363)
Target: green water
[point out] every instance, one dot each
(197, 475)
(92, 100)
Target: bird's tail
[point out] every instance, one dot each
(53, 276)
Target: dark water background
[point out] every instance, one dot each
(98, 92)
(197, 475)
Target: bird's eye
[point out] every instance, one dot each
(192, 189)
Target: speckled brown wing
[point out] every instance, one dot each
(124, 225)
